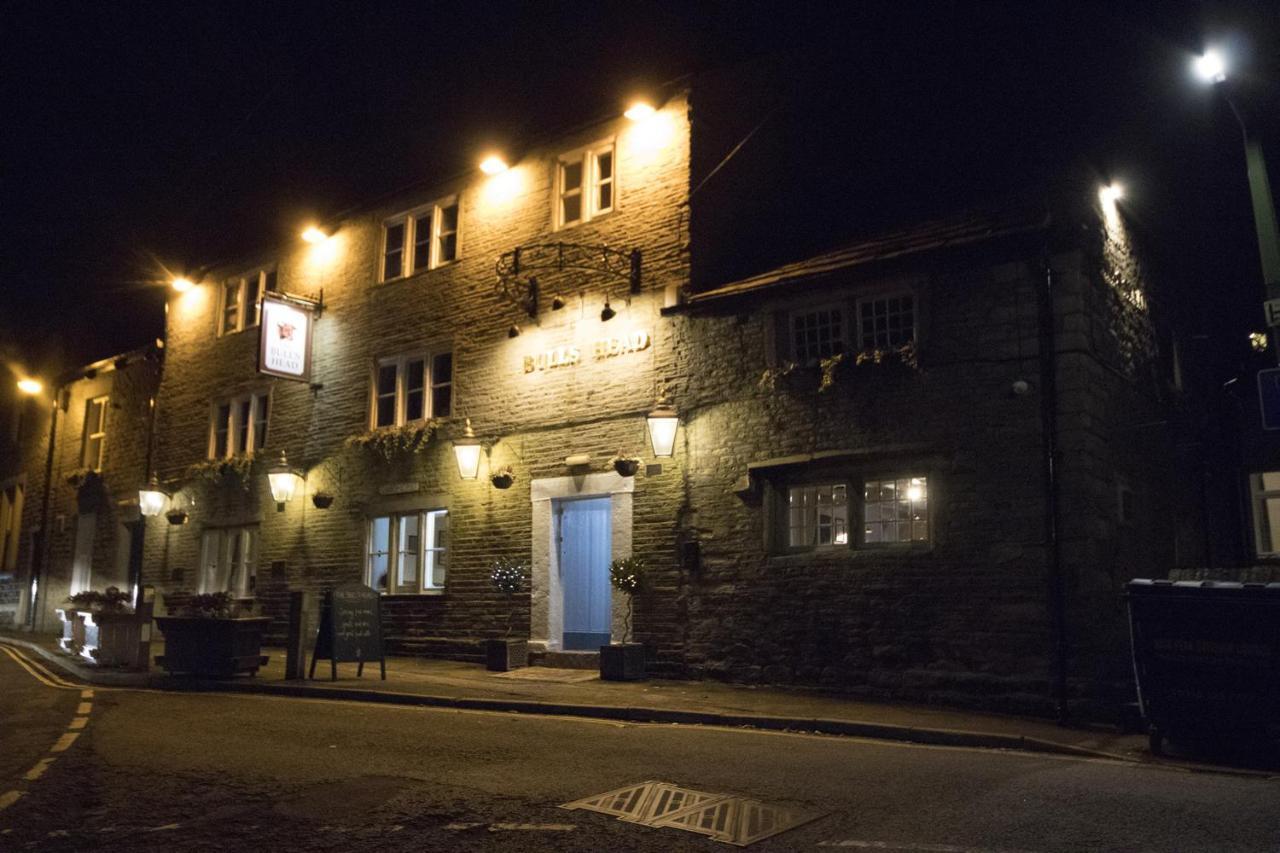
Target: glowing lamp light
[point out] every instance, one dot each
(283, 481)
(182, 284)
(152, 500)
(313, 234)
(1111, 193)
(1210, 67)
(493, 165)
(663, 422)
(467, 451)
(30, 386)
(639, 111)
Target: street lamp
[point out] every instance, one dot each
(467, 451)
(663, 422)
(283, 481)
(29, 386)
(152, 500)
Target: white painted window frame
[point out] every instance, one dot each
(248, 314)
(409, 251)
(254, 398)
(429, 384)
(590, 209)
(796, 313)
(246, 560)
(429, 543)
(858, 344)
(96, 432)
(930, 507)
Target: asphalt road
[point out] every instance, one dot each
(163, 771)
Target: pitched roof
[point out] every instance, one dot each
(966, 229)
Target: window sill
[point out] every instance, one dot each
(600, 217)
(842, 553)
(411, 596)
(235, 332)
(418, 274)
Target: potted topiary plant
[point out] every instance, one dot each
(502, 654)
(625, 465)
(625, 661)
(503, 477)
(211, 638)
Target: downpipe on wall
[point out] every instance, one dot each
(1052, 521)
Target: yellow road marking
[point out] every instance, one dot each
(64, 743)
(36, 772)
(38, 672)
(78, 723)
(8, 798)
(84, 707)
(86, 694)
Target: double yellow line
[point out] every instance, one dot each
(38, 671)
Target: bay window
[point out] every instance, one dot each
(407, 552)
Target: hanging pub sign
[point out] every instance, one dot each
(284, 337)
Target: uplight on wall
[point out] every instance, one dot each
(639, 110)
(283, 481)
(663, 423)
(467, 452)
(30, 386)
(493, 165)
(182, 284)
(313, 234)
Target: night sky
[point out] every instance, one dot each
(143, 137)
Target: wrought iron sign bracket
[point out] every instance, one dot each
(518, 284)
(316, 303)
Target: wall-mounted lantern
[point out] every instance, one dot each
(284, 482)
(152, 500)
(467, 451)
(663, 422)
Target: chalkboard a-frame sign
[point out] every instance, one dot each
(350, 630)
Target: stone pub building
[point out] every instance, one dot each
(920, 464)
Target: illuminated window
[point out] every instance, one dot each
(412, 388)
(886, 322)
(895, 510)
(407, 552)
(229, 560)
(238, 303)
(239, 425)
(1266, 512)
(95, 433)
(585, 184)
(818, 515)
(422, 239)
(817, 334)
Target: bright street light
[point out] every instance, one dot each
(30, 386)
(1210, 67)
(313, 234)
(182, 284)
(1111, 193)
(493, 165)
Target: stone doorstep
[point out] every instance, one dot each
(565, 660)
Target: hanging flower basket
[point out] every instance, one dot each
(177, 516)
(322, 500)
(503, 478)
(625, 465)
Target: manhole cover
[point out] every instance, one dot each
(721, 817)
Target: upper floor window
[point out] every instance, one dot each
(421, 239)
(238, 302)
(239, 425)
(411, 388)
(407, 551)
(817, 334)
(95, 432)
(886, 322)
(229, 560)
(585, 184)
(10, 526)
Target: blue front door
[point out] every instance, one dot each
(585, 551)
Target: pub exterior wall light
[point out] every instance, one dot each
(493, 165)
(663, 422)
(639, 111)
(152, 500)
(283, 481)
(607, 313)
(314, 234)
(182, 284)
(30, 386)
(467, 451)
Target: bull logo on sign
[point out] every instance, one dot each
(285, 331)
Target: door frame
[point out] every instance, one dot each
(546, 628)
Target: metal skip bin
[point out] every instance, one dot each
(1206, 656)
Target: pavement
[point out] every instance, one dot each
(580, 693)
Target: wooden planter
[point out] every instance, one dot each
(217, 648)
(622, 662)
(506, 655)
(119, 639)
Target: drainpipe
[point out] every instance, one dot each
(1052, 520)
(41, 555)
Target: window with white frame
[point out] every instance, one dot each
(424, 238)
(238, 302)
(895, 509)
(817, 515)
(239, 425)
(410, 388)
(1265, 486)
(407, 552)
(95, 432)
(817, 334)
(886, 322)
(10, 526)
(585, 184)
(229, 560)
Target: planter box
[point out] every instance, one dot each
(505, 655)
(218, 648)
(120, 639)
(73, 630)
(622, 662)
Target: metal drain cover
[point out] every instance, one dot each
(721, 817)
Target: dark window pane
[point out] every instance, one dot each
(604, 166)
(386, 379)
(449, 218)
(441, 400)
(414, 390)
(606, 197)
(572, 210)
(393, 260)
(571, 176)
(270, 286)
(260, 424)
(242, 432)
(421, 242)
(448, 247)
(417, 369)
(386, 411)
(413, 405)
(442, 368)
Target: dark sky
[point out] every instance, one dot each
(136, 135)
